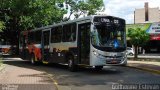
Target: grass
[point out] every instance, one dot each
(1, 60)
(1, 63)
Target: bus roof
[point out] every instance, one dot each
(70, 21)
(66, 22)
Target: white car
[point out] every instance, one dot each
(130, 51)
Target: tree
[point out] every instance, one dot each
(42, 13)
(2, 26)
(27, 14)
(20, 15)
(84, 7)
(138, 37)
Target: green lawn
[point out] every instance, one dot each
(0, 60)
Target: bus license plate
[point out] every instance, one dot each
(113, 61)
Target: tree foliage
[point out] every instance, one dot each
(2, 26)
(43, 13)
(19, 15)
(138, 37)
(27, 14)
(84, 7)
(32, 13)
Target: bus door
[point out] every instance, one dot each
(83, 43)
(22, 46)
(45, 45)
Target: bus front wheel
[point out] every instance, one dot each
(71, 64)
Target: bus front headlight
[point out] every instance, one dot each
(98, 55)
(95, 53)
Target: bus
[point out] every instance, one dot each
(5, 48)
(96, 41)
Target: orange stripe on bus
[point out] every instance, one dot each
(35, 50)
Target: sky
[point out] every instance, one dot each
(125, 8)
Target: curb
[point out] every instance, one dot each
(146, 69)
(54, 81)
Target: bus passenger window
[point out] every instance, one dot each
(56, 34)
(30, 37)
(38, 37)
(69, 32)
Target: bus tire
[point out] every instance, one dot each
(131, 54)
(71, 65)
(98, 67)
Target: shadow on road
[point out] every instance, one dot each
(57, 67)
(85, 76)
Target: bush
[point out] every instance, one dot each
(1, 60)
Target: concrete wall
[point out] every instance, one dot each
(154, 15)
(140, 15)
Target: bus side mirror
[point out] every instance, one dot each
(91, 35)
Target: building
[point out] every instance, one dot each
(153, 46)
(147, 14)
(148, 19)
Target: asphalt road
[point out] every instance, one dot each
(89, 79)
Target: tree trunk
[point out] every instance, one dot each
(16, 34)
(135, 52)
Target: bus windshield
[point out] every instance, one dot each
(106, 35)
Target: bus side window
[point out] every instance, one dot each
(73, 32)
(69, 32)
(37, 36)
(56, 34)
(30, 37)
(66, 29)
(52, 35)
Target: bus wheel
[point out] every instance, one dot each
(71, 64)
(131, 54)
(98, 67)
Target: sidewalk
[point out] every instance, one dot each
(19, 78)
(151, 66)
(146, 56)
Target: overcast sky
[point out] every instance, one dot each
(125, 8)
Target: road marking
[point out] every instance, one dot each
(54, 81)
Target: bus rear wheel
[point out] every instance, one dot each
(71, 65)
(98, 67)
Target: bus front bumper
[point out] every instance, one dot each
(105, 60)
